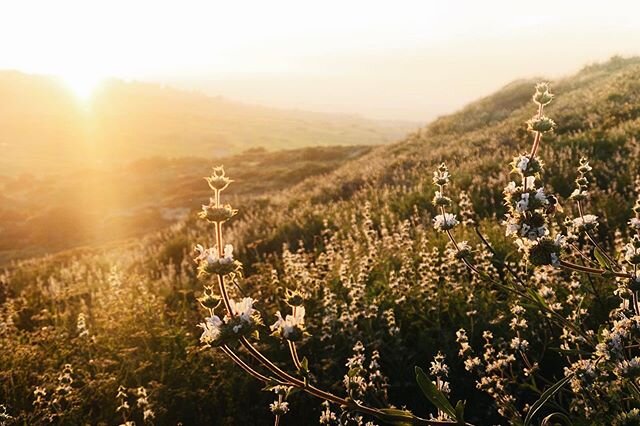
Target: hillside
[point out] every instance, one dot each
(358, 242)
(46, 129)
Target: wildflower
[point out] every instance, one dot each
(445, 222)
(243, 309)
(545, 251)
(628, 369)
(292, 326)
(4, 415)
(279, 408)
(40, 394)
(81, 325)
(588, 222)
(209, 261)
(634, 223)
(521, 163)
(327, 416)
(510, 188)
(472, 363)
(438, 367)
(578, 195)
(441, 176)
(584, 167)
(211, 329)
(632, 251)
(523, 204)
(519, 344)
(525, 165)
(464, 250)
(148, 414)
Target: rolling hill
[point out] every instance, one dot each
(46, 129)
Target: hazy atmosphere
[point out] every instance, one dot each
(372, 58)
(336, 213)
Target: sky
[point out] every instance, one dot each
(399, 60)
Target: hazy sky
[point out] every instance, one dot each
(393, 59)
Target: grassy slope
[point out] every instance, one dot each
(598, 111)
(88, 207)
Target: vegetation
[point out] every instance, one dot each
(521, 328)
(40, 214)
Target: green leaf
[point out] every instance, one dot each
(460, 412)
(602, 259)
(546, 395)
(400, 417)
(434, 394)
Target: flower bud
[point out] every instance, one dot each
(542, 98)
(218, 181)
(209, 300)
(293, 298)
(215, 214)
(440, 200)
(541, 124)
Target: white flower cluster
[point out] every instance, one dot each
(445, 222)
(211, 256)
(587, 222)
(211, 329)
(279, 408)
(216, 330)
(632, 251)
(292, 326)
(210, 262)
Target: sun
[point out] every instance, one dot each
(82, 84)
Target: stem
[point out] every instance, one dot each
(225, 296)
(590, 237)
(227, 350)
(294, 355)
(538, 136)
(534, 149)
(588, 270)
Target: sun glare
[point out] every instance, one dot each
(83, 86)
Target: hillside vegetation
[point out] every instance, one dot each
(383, 290)
(42, 214)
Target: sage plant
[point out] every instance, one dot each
(233, 324)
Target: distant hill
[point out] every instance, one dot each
(43, 127)
(88, 207)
